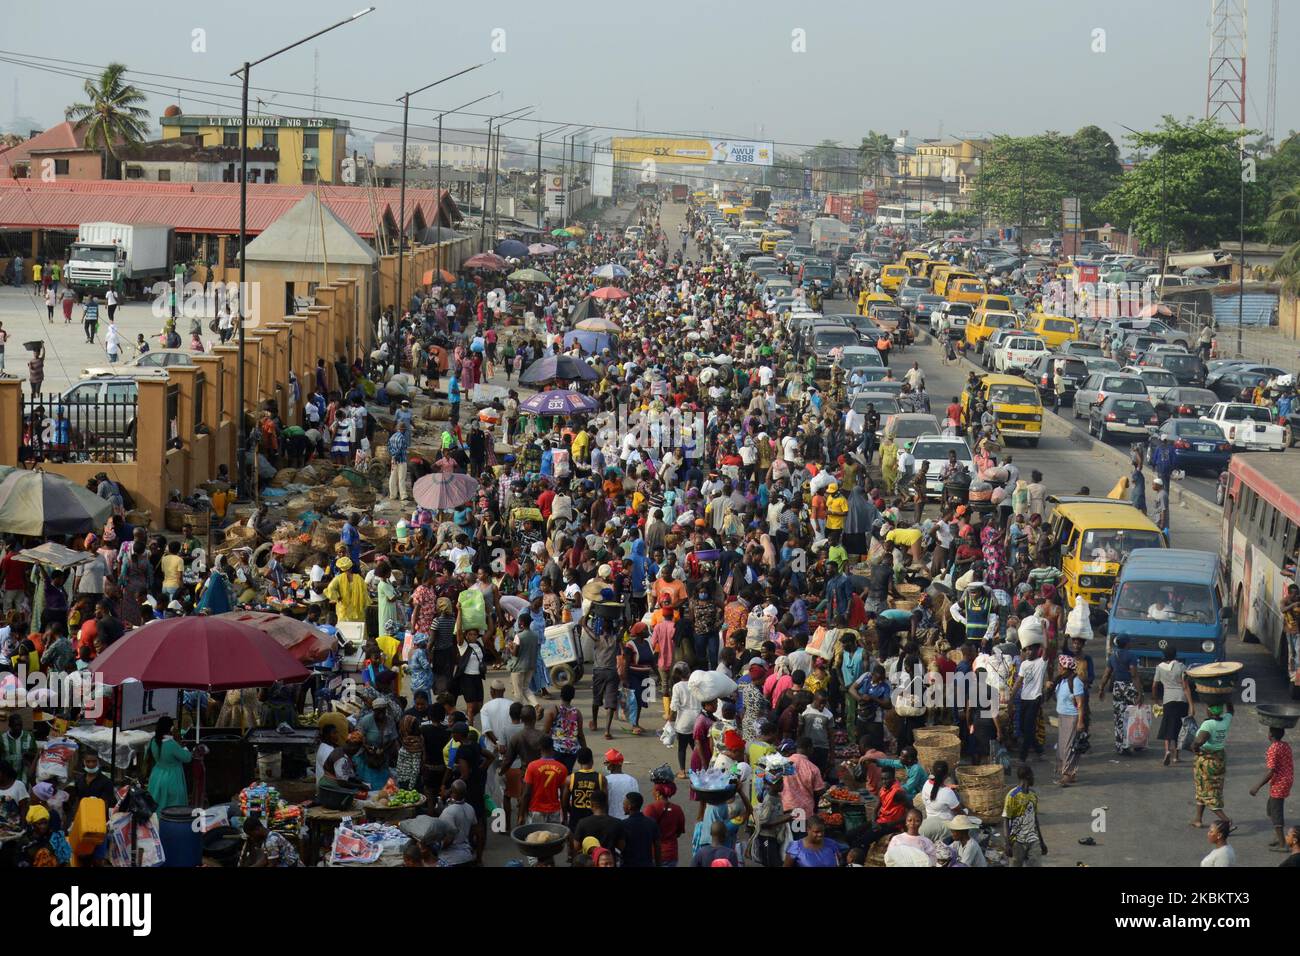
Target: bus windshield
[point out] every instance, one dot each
(1113, 545)
(1154, 600)
(1013, 395)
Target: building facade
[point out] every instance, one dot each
(310, 149)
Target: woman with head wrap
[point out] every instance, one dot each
(1072, 719)
(410, 754)
(1211, 764)
(889, 463)
(44, 845)
(991, 541)
(858, 523)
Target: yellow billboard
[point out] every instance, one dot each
(636, 150)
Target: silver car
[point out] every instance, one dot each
(1099, 385)
(100, 410)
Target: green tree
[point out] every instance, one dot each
(113, 116)
(1283, 227)
(1023, 179)
(1187, 190)
(875, 154)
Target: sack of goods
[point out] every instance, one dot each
(1031, 632)
(1079, 623)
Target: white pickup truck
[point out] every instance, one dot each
(1247, 427)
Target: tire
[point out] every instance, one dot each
(1032, 442)
(562, 674)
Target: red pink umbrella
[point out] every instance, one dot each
(486, 260)
(211, 653)
(306, 643)
(609, 293)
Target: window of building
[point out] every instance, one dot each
(230, 137)
(271, 138)
(164, 175)
(228, 174)
(270, 176)
(134, 172)
(311, 139)
(61, 167)
(308, 175)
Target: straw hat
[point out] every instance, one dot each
(963, 822)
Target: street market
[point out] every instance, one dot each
(711, 523)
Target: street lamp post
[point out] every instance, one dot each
(487, 163)
(541, 188)
(437, 255)
(243, 73)
(405, 100)
(496, 188)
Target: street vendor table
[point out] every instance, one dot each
(301, 741)
(320, 825)
(130, 743)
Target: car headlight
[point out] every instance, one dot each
(1207, 646)
(1085, 581)
(1035, 418)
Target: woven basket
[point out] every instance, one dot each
(239, 535)
(876, 855)
(362, 498)
(984, 802)
(909, 591)
(295, 551)
(322, 498)
(379, 536)
(285, 531)
(924, 736)
(939, 748)
(902, 605)
(325, 534)
(988, 774)
(285, 476)
(176, 518)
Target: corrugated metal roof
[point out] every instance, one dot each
(192, 207)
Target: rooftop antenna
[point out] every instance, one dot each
(1270, 108)
(315, 82)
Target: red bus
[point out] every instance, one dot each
(1258, 544)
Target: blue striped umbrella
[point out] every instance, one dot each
(611, 270)
(559, 401)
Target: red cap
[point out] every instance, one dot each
(732, 740)
(613, 756)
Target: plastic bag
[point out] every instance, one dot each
(1137, 726)
(1079, 623)
(710, 685)
(1187, 734)
(56, 756)
(668, 735)
(1032, 631)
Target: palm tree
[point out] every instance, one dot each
(1283, 226)
(113, 116)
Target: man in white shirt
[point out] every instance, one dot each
(765, 375)
(790, 449)
(494, 719)
(1030, 681)
(112, 341)
(914, 377)
(617, 783)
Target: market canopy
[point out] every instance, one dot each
(512, 247)
(307, 643)
(611, 270)
(443, 492)
(559, 401)
(598, 323)
(54, 556)
(485, 260)
(609, 293)
(209, 653)
(41, 504)
(529, 275)
(442, 275)
(554, 367)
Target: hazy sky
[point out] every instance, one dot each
(1015, 66)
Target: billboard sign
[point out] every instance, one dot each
(555, 197)
(633, 150)
(602, 173)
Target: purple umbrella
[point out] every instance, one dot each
(443, 492)
(559, 401)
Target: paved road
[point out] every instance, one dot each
(66, 350)
(1144, 806)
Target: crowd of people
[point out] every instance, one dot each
(751, 572)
